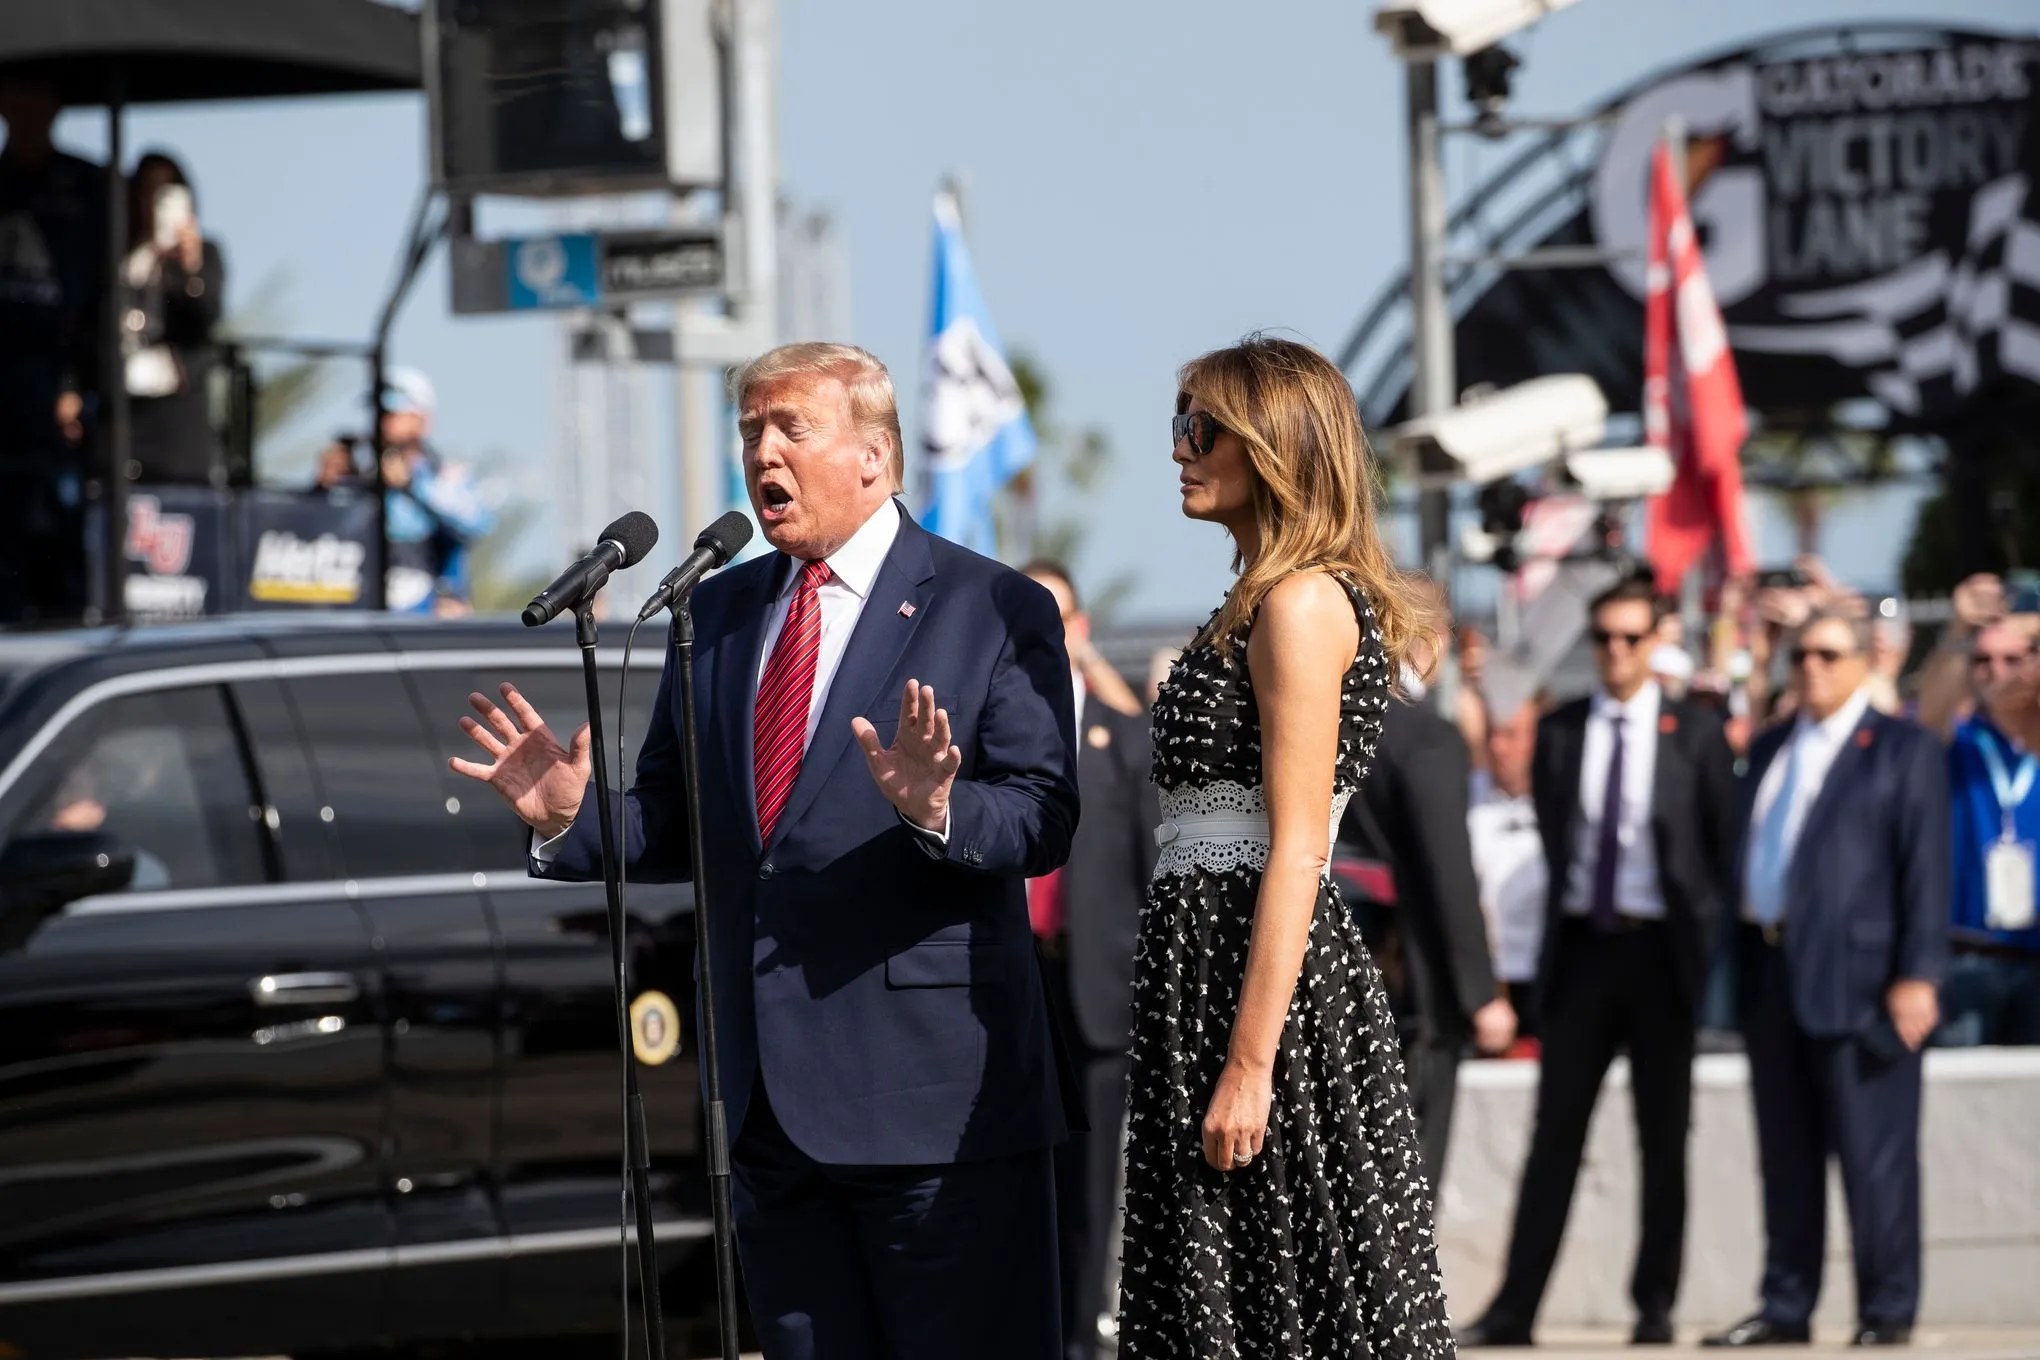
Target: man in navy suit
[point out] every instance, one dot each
(1844, 911)
(893, 1089)
(1087, 917)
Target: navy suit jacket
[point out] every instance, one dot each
(1866, 893)
(888, 995)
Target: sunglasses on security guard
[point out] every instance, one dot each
(1199, 427)
(1604, 638)
(1827, 656)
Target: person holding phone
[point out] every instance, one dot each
(1842, 943)
(174, 280)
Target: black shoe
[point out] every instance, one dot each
(1761, 1331)
(1652, 1329)
(1883, 1334)
(1492, 1331)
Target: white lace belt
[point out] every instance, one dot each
(1221, 827)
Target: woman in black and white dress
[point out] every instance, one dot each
(1274, 1199)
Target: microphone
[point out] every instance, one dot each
(715, 545)
(623, 544)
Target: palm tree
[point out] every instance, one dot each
(1080, 461)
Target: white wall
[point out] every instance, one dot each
(1980, 1149)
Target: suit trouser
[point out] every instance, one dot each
(1086, 1173)
(1818, 1097)
(1609, 991)
(894, 1262)
(1092, 1161)
(1431, 1065)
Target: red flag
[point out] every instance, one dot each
(1692, 402)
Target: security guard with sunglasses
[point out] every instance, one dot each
(1635, 799)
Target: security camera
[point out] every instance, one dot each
(1478, 547)
(1620, 474)
(1498, 436)
(1490, 78)
(1425, 30)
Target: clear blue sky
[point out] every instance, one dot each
(1145, 181)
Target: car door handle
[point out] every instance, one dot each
(304, 989)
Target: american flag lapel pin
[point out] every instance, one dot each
(906, 609)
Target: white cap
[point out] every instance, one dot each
(406, 389)
(1671, 662)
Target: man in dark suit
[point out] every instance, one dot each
(892, 1090)
(1635, 801)
(1843, 940)
(1087, 918)
(1411, 816)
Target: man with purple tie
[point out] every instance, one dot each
(1635, 798)
(892, 1086)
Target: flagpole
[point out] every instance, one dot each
(952, 185)
(1672, 133)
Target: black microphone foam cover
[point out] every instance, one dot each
(726, 537)
(635, 533)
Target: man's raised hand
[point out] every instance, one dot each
(541, 780)
(916, 772)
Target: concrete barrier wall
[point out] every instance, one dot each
(1980, 1153)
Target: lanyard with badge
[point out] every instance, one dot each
(2008, 862)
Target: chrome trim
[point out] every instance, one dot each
(276, 894)
(304, 989)
(340, 1262)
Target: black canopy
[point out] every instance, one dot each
(175, 50)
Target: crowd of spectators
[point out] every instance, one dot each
(1973, 687)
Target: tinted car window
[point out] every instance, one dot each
(311, 852)
(497, 838)
(378, 775)
(164, 774)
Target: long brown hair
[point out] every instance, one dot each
(1315, 481)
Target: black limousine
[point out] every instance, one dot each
(294, 1058)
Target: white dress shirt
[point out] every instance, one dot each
(1508, 863)
(1637, 891)
(1817, 745)
(853, 569)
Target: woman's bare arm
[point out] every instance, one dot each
(1304, 639)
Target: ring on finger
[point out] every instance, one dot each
(1242, 1158)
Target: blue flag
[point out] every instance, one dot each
(975, 434)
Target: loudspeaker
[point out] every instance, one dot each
(541, 98)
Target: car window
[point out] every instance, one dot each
(310, 849)
(380, 782)
(164, 775)
(497, 838)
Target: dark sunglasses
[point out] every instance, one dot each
(1827, 656)
(1199, 427)
(1603, 638)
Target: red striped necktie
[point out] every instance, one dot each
(785, 694)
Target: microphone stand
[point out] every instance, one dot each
(637, 1146)
(718, 1126)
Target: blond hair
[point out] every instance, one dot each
(1315, 482)
(870, 387)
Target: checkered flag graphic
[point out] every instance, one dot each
(1936, 330)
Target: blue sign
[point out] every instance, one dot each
(553, 271)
